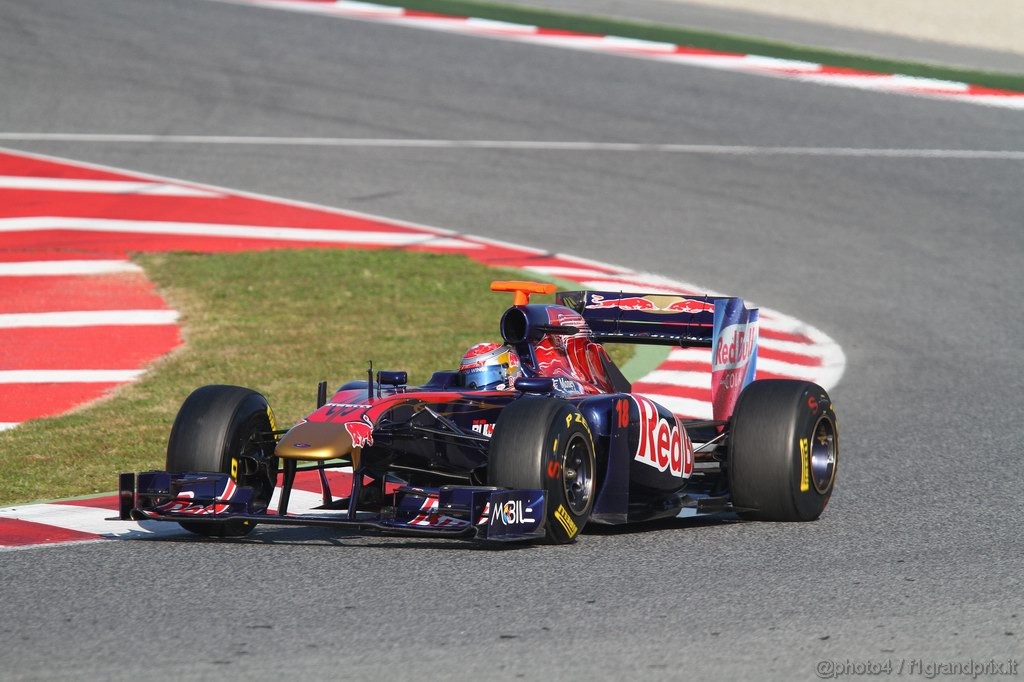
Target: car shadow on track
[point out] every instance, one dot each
(325, 537)
(662, 525)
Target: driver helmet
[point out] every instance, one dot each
(489, 367)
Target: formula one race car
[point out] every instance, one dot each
(566, 444)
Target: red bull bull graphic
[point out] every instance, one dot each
(733, 354)
(652, 303)
(628, 303)
(690, 305)
(361, 432)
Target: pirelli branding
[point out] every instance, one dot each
(567, 523)
(805, 468)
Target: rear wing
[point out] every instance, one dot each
(656, 319)
(722, 323)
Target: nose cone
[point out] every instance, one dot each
(315, 441)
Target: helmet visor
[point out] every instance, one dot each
(486, 377)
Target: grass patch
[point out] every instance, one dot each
(275, 321)
(706, 39)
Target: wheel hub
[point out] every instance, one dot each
(824, 455)
(577, 477)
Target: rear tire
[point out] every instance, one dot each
(215, 425)
(545, 444)
(783, 451)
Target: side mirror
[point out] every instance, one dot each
(541, 385)
(392, 378)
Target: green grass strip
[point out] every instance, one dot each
(706, 39)
(645, 360)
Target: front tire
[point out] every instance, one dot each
(783, 451)
(545, 444)
(215, 426)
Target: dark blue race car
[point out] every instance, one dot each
(530, 440)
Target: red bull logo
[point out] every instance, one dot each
(736, 344)
(664, 446)
(733, 360)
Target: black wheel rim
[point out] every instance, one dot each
(577, 474)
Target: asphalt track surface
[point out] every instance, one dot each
(911, 264)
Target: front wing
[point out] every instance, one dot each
(479, 512)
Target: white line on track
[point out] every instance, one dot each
(41, 268)
(4, 426)
(88, 318)
(24, 182)
(348, 213)
(532, 145)
(69, 376)
(295, 234)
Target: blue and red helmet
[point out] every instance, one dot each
(489, 367)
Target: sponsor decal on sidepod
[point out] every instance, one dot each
(662, 445)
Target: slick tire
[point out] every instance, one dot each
(783, 451)
(545, 444)
(215, 425)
